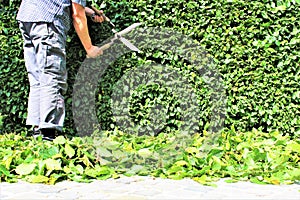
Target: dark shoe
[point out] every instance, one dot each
(50, 134)
(36, 132)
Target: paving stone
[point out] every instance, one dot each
(94, 196)
(70, 194)
(3, 196)
(128, 197)
(28, 195)
(146, 192)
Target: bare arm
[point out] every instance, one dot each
(81, 28)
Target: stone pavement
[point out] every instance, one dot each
(132, 188)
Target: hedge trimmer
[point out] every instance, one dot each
(118, 35)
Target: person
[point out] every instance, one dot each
(44, 26)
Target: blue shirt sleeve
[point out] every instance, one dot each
(81, 2)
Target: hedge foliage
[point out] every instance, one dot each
(255, 46)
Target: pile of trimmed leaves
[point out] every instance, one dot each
(256, 156)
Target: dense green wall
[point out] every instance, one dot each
(255, 45)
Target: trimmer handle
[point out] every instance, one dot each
(106, 46)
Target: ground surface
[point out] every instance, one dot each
(147, 188)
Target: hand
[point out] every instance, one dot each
(99, 17)
(94, 52)
(96, 15)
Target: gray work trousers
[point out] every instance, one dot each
(45, 61)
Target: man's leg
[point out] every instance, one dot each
(33, 110)
(51, 57)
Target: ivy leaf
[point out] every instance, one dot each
(258, 180)
(231, 181)
(69, 150)
(78, 169)
(37, 179)
(4, 171)
(99, 172)
(103, 152)
(145, 153)
(216, 165)
(59, 140)
(54, 177)
(112, 145)
(181, 163)
(8, 161)
(25, 168)
(91, 172)
(293, 146)
(67, 170)
(52, 164)
(280, 8)
(192, 150)
(204, 180)
(295, 174)
(86, 161)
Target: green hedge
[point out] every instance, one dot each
(14, 86)
(255, 45)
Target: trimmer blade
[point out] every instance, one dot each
(129, 44)
(129, 28)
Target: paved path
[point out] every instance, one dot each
(132, 188)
